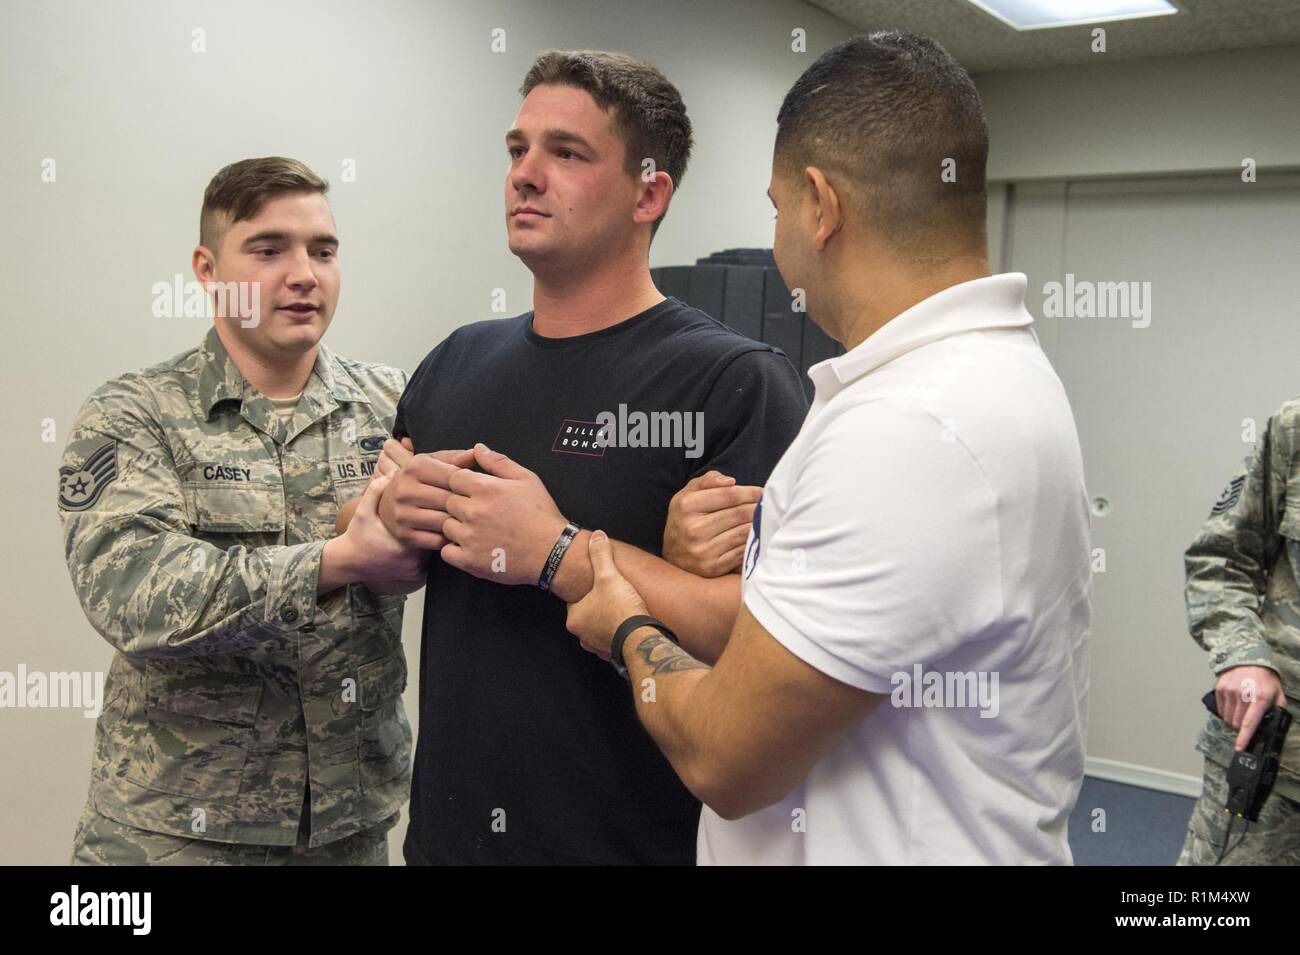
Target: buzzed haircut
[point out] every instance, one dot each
(240, 190)
(648, 112)
(881, 115)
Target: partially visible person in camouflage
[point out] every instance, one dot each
(1243, 606)
(253, 708)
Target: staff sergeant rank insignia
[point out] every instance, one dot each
(1230, 494)
(79, 488)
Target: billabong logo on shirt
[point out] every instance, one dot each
(580, 437)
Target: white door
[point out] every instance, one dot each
(1165, 411)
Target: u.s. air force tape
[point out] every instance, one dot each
(79, 488)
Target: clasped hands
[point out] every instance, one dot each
(491, 517)
(498, 522)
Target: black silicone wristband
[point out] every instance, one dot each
(557, 554)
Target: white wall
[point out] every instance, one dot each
(1130, 117)
(137, 123)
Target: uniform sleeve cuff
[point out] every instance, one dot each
(291, 590)
(1242, 652)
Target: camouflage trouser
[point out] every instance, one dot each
(1273, 839)
(103, 841)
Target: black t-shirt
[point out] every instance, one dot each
(529, 748)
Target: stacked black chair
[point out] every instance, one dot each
(743, 290)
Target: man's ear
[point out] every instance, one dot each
(656, 194)
(823, 208)
(204, 263)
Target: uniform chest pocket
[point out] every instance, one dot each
(1289, 525)
(219, 508)
(1288, 529)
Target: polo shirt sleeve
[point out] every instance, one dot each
(887, 554)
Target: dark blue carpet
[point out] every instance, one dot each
(1142, 826)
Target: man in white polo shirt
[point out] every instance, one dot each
(906, 680)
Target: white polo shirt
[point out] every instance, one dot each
(925, 537)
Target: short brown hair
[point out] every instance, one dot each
(240, 190)
(648, 111)
(884, 111)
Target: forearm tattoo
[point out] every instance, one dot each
(664, 656)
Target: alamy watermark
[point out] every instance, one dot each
(131, 909)
(952, 689)
(55, 690)
(653, 429)
(1086, 299)
(182, 299)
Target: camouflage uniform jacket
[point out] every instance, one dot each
(1243, 582)
(193, 520)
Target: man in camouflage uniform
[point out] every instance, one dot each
(253, 710)
(1243, 606)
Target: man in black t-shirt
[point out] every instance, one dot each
(595, 408)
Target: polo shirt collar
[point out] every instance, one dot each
(995, 301)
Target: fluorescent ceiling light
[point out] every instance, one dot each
(1040, 14)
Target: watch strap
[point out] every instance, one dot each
(625, 630)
